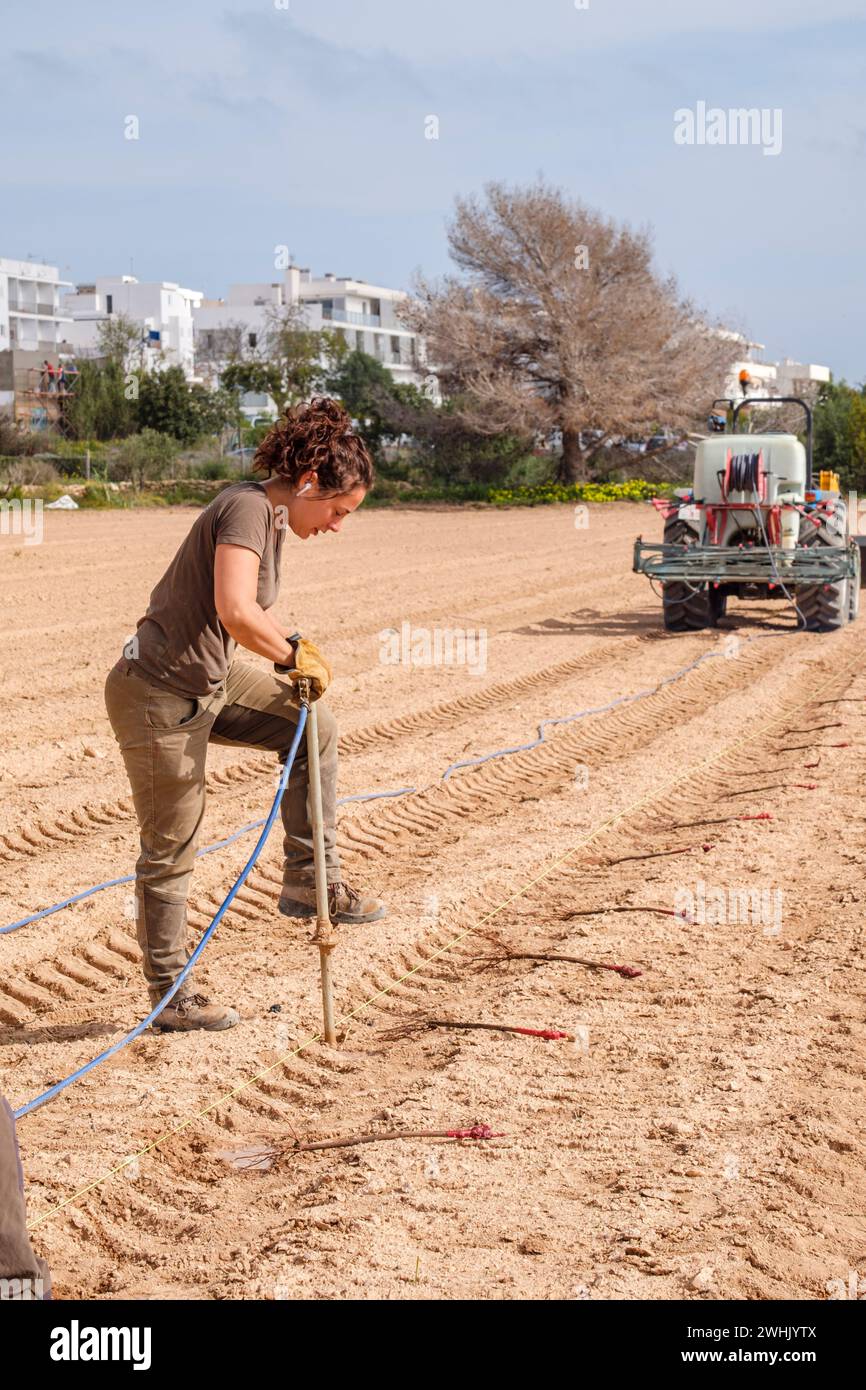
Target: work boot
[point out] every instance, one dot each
(188, 1011)
(345, 904)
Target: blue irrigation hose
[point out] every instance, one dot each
(365, 796)
(206, 849)
(405, 791)
(226, 903)
(602, 709)
(116, 882)
(67, 902)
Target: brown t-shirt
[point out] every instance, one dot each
(180, 642)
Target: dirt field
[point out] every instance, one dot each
(702, 1139)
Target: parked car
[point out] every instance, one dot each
(241, 455)
(666, 438)
(589, 437)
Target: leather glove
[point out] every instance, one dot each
(293, 643)
(309, 664)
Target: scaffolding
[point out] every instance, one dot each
(42, 397)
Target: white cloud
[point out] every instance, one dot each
(463, 28)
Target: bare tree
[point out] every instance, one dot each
(789, 419)
(561, 322)
(295, 349)
(120, 340)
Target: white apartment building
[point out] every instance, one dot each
(30, 315)
(235, 325)
(163, 310)
(785, 378)
(364, 314)
(791, 376)
(366, 317)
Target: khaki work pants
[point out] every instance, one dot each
(163, 737)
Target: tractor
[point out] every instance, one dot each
(754, 525)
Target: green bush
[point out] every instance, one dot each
(98, 495)
(254, 434)
(636, 490)
(530, 471)
(144, 458)
(102, 406)
(388, 492)
(461, 458)
(185, 493)
(25, 471)
(98, 449)
(14, 439)
(49, 492)
(166, 406)
(214, 468)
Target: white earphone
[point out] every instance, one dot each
(305, 487)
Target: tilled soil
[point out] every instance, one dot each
(701, 1138)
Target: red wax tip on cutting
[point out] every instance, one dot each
(476, 1132)
(629, 971)
(549, 1034)
(762, 815)
(705, 848)
(807, 786)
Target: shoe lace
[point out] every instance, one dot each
(197, 1000)
(353, 896)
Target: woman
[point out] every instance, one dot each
(177, 688)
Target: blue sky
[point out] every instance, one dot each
(301, 122)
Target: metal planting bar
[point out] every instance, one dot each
(702, 563)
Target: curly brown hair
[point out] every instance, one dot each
(316, 434)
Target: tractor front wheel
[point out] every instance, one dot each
(824, 607)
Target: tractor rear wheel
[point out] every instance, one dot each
(826, 607)
(686, 606)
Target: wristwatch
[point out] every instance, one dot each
(293, 640)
